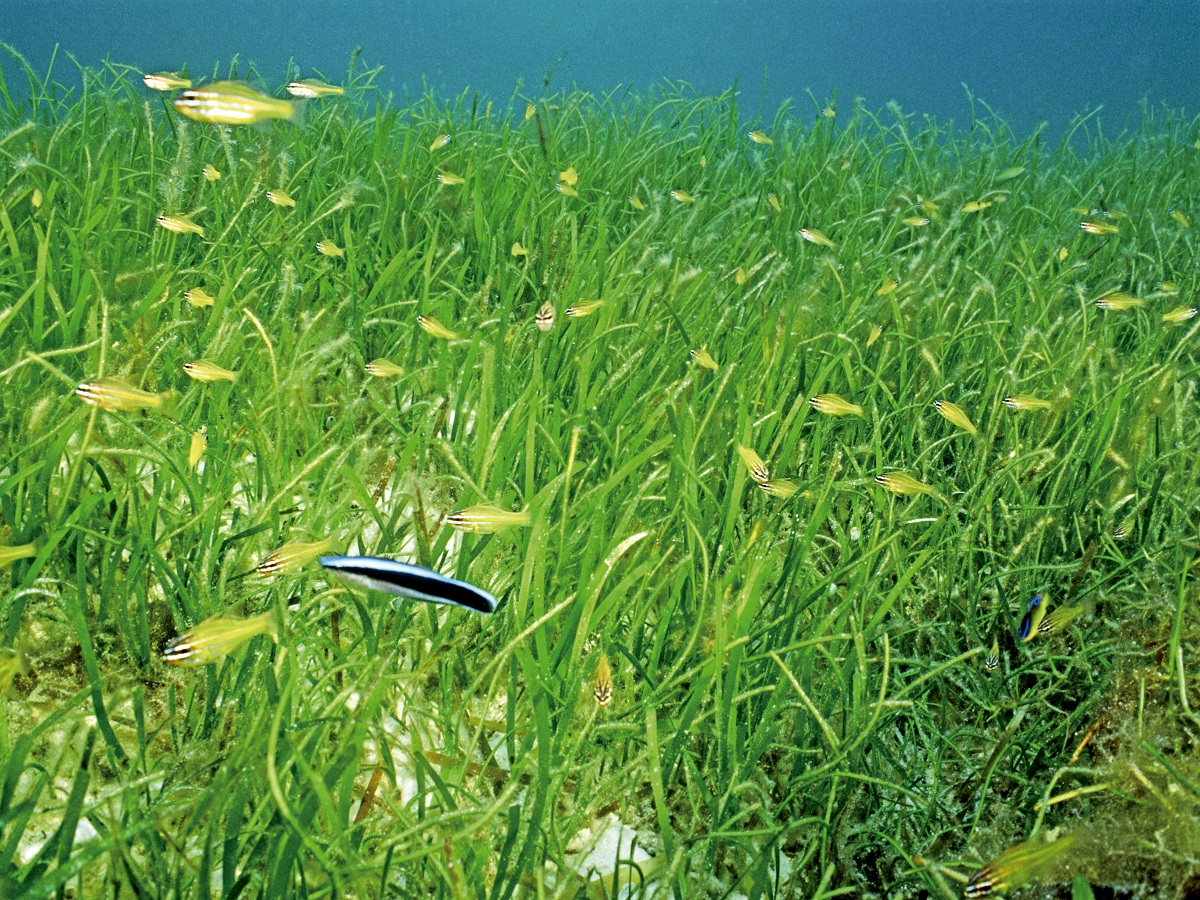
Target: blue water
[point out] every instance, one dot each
(1029, 61)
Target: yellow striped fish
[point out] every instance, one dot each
(486, 519)
(117, 393)
(216, 636)
(232, 103)
(292, 556)
(833, 405)
(207, 370)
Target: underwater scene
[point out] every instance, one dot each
(764, 466)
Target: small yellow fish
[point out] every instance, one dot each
(703, 161)
(166, 81)
(704, 359)
(833, 405)
(35, 199)
(1099, 228)
(815, 237)
(873, 334)
(384, 368)
(232, 103)
(1168, 287)
(604, 689)
(10, 554)
(1114, 214)
(180, 225)
(740, 277)
(544, 318)
(116, 393)
(1058, 619)
(292, 556)
(1083, 211)
(1119, 301)
(327, 247)
(976, 206)
(889, 285)
(206, 370)
(758, 469)
(216, 636)
(570, 176)
(518, 250)
(486, 519)
(280, 197)
(439, 142)
(1025, 401)
(1033, 618)
(1125, 529)
(829, 112)
(312, 89)
(760, 137)
(530, 109)
(915, 221)
(450, 179)
(1015, 866)
(196, 449)
(198, 297)
(1179, 217)
(434, 328)
(780, 488)
(1179, 314)
(210, 172)
(1010, 173)
(579, 310)
(682, 197)
(636, 203)
(993, 657)
(775, 204)
(902, 483)
(1062, 253)
(564, 188)
(954, 414)
(927, 205)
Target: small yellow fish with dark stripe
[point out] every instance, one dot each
(232, 103)
(1015, 866)
(119, 394)
(196, 449)
(954, 414)
(544, 318)
(207, 370)
(198, 297)
(210, 172)
(311, 89)
(780, 488)
(1099, 228)
(757, 468)
(579, 310)
(1025, 402)
(180, 225)
(1119, 301)
(293, 555)
(604, 690)
(280, 197)
(902, 483)
(833, 405)
(327, 247)
(434, 328)
(166, 81)
(215, 637)
(384, 368)
(486, 519)
(704, 359)
(813, 236)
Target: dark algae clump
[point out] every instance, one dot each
(762, 435)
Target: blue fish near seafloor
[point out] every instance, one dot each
(404, 580)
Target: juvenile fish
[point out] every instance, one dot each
(232, 103)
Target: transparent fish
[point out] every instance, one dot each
(196, 449)
(579, 310)
(604, 689)
(207, 370)
(902, 483)
(1179, 217)
(565, 189)
(292, 556)
(384, 368)
(116, 393)
(180, 225)
(450, 179)
(829, 112)
(1058, 619)
(915, 221)
(775, 204)
(35, 199)
(327, 247)
(636, 203)
(740, 277)
(704, 359)
(434, 328)
(927, 205)
(569, 176)
(210, 172)
(682, 197)
(198, 297)
(873, 335)
(1179, 314)
(974, 206)
(544, 318)
(232, 103)
(1168, 287)
(280, 197)
(1123, 530)
(954, 414)
(813, 236)
(518, 250)
(781, 488)
(486, 519)
(758, 469)
(1099, 228)
(1015, 866)
(833, 405)
(993, 658)
(530, 109)
(760, 137)
(1033, 618)
(215, 637)
(1062, 254)
(889, 285)
(1025, 402)
(1011, 173)
(1119, 301)
(311, 89)
(10, 554)
(166, 81)
(439, 142)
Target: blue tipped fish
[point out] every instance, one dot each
(1033, 618)
(405, 580)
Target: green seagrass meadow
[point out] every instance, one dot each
(804, 698)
